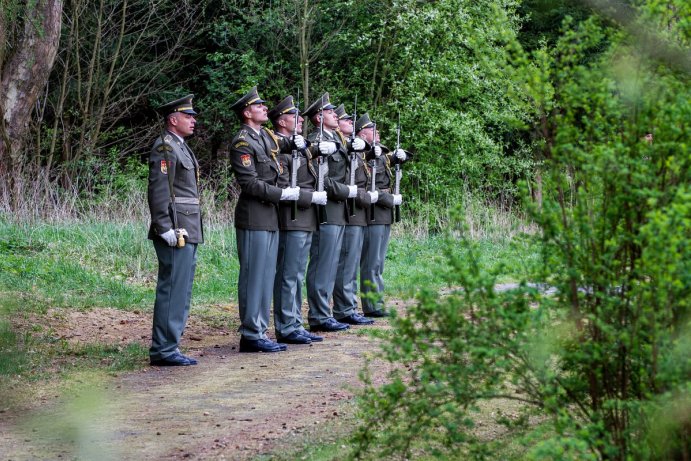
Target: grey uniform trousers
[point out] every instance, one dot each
(345, 290)
(372, 265)
(173, 294)
(293, 249)
(257, 251)
(321, 272)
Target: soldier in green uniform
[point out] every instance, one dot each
(345, 290)
(296, 221)
(254, 157)
(376, 240)
(327, 240)
(176, 230)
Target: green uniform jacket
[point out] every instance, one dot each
(383, 207)
(306, 216)
(181, 165)
(254, 158)
(336, 181)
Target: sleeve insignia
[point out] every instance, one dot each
(168, 138)
(240, 144)
(246, 159)
(164, 166)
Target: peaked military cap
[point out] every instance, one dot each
(183, 105)
(363, 122)
(287, 106)
(251, 97)
(340, 111)
(319, 105)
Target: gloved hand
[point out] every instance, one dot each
(377, 151)
(319, 198)
(170, 238)
(400, 155)
(373, 196)
(299, 141)
(358, 144)
(290, 193)
(397, 199)
(327, 147)
(352, 191)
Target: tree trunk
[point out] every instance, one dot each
(23, 74)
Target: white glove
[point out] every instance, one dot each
(400, 155)
(358, 144)
(299, 141)
(373, 196)
(327, 147)
(319, 198)
(397, 199)
(170, 238)
(377, 151)
(290, 193)
(352, 191)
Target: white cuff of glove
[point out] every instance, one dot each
(319, 198)
(299, 141)
(373, 196)
(327, 147)
(377, 151)
(170, 238)
(352, 191)
(358, 144)
(397, 199)
(400, 155)
(290, 193)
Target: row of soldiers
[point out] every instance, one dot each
(328, 199)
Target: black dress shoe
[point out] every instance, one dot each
(191, 360)
(377, 314)
(356, 319)
(173, 360)
(260, 345)
(329, 325)
(296, 337)
(312, 336)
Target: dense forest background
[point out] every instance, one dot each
(72, 127)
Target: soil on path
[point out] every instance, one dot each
(230, 406)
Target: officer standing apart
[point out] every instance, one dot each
(254, 157)
(176, 229)
(296, 221)
(378, 231)
(327, 240)
(345, 290)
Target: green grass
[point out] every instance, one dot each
(84, 265)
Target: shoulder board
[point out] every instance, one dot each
(168, 138)
(242, 134)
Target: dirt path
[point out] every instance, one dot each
(230, 406)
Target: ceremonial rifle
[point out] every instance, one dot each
(353, 161)
(373, 186)
(296, 161)
(399, 173)
(323, 168)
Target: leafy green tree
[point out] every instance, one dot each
(600, 365)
